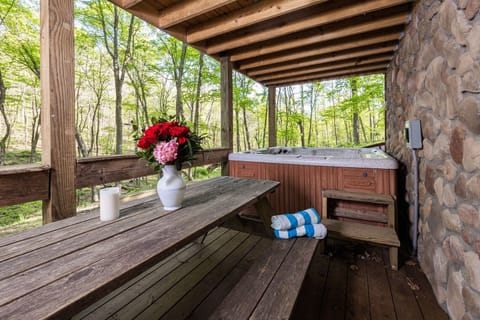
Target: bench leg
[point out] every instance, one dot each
(322, 245)
(265, 212)
(394, 258)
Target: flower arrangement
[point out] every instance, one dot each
(168, 143)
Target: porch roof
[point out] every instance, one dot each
(283, 42)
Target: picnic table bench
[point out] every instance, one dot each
(59, 269)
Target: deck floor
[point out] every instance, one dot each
(350, 282)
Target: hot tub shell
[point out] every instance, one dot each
(305, 172)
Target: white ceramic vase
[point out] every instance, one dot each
(171, 188)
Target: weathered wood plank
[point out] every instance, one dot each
(256, 13)
(279, 299)
(357, 304)
(328, 34)
(57, 84)
(19, 184)
(324, 68)
(185, 10)
(424, 295)
(209, 304)
(208, 283)
(358, 53)
(379, 293)
(133, 288)
(32, 181)
(402, 295)
(334, 298)
(226, 97)
(361, 232)
(323, 16)
(307, 307)
(347, 73)
(359, 196)
(100, 170)
(156, 308)
(133, 300)
(241, 301)
(138, 249)
(332, 72)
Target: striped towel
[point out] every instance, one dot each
(289, 221)
(317, 231)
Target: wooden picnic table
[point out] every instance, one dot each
(55, 270)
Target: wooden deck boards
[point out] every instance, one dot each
(350, 282)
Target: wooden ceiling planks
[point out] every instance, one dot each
(282, 42)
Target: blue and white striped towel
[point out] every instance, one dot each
(317, 231)
(289, 221)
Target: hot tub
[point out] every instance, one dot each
(305, 172)
(332, 157)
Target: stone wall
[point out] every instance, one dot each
(435, 77)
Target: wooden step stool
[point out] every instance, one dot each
(385, 236)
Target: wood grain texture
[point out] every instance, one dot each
(279, 299)
(361, 232)
(226, 97)
(272, 116)
(301, 186)
(256, 13)
(291, 26)
(32, 181)
(241, 301)
(23, 184)
(59, 286)
(57, 65)
(330, 33)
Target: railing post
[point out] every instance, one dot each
(227, 108)
(57, 65)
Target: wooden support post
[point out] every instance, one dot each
(272, 117)
(58, 106)
(227, 108)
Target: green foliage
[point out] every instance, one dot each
(19, 212)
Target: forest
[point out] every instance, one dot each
(128, 72)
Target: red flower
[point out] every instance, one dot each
(181, 140)
(179, 131)
(143, 143)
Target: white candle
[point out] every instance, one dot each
(109, 203)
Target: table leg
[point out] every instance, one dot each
(265, 212)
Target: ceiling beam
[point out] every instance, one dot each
(128, 3)
(325, 67)
(261, 11)
(328, 34)
(354, 43)
(324, 59)
(323, 75)
(288, 27)
(335, 76)
(184, 10)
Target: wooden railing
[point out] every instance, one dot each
(19, 184)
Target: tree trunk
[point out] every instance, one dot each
(119, 67)
(312, 111)
(196, 117)
(245, 125)
(178, 83)
(35, 130)
(3, 141)
(363, 129)
(356, 135)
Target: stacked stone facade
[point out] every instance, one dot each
(435, 77)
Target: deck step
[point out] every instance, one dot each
(359, 196)
(379, 235)
(361, 232)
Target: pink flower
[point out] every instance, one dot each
(166, 152)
